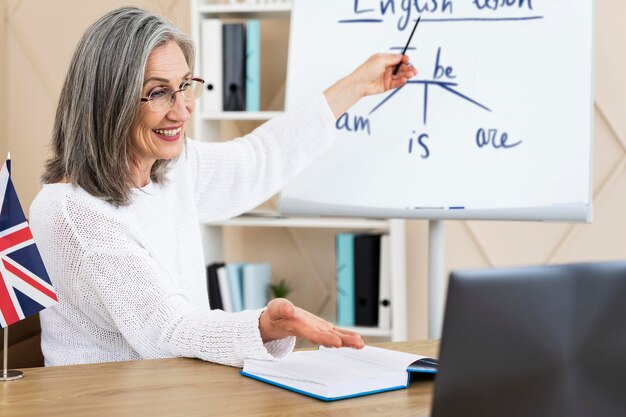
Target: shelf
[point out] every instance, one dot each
(209, 126)
(246, 10)
(240, 115)
(305, 222)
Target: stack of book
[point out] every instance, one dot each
(231, 65)
(240, 286)
(363, 280)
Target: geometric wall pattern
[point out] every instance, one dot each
(36, 42)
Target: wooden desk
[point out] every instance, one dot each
(190, 387)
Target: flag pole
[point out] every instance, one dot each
(6, 374)
(19, 237)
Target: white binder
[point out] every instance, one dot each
(384, 294)
(212, 65)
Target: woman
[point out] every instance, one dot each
(117, 218)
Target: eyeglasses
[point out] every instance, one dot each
(161, 99)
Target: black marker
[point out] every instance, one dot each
(395, 70)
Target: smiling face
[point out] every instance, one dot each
(159, 134)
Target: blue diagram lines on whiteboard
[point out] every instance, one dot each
(443, 77)
(440, 74)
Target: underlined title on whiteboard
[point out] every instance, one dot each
(403, 11)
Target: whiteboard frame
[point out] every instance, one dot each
(562, 212)
(572, 212)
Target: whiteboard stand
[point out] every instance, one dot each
(397, 243)
(436, 278)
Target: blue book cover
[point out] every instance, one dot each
(345, 278)
(256, 285)
(253, 65)
(334, 374)
(234, 273)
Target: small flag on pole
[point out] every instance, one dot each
(25, 288)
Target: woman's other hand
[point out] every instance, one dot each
(282, 319)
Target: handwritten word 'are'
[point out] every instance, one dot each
(497, 140)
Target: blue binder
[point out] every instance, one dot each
(345, 279)
(253, 65)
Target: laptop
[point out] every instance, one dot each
(547, 341)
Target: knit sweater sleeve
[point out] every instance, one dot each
(235, 176)
(157, 319)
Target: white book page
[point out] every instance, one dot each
(319, 367)
(382, 357)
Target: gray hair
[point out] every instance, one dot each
(100, 102)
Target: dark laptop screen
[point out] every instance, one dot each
(534, 342)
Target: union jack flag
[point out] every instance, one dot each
(25, 288)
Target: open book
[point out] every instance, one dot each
(334, 374)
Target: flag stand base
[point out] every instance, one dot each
(11, 375)
(7, 375)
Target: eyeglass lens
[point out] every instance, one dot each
(162, 99)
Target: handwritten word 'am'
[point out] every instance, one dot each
(355, 124)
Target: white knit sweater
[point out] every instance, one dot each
(131, 280)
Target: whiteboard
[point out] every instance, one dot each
(496, 125)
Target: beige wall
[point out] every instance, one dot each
(3, 79)
(39, 38)
(36, 41)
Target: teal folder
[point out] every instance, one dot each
(234, 273)
(257, 278)
(345, 278)
(253, 65)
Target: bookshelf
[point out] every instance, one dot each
(210, 126)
